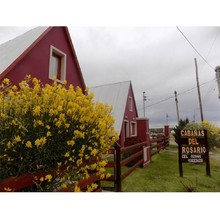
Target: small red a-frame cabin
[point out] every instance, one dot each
(121, 97)
(42, 52)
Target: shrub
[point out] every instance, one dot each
(212, 129)
(180, 126)
(50, 127)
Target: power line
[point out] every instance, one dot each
(181, 93)
(193, 47)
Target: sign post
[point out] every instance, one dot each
(193, 148)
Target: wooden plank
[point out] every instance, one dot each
(111, 151)
(131, 158)
(110, 179)
(132, 147)
(25, 180)
(110, 164)
(82, 184)
(124, 175)
(98, 190)
(118, 168)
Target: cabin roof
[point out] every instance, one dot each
(115, 95)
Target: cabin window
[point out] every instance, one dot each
(126, 129)
(133, 128)
(130, 103)
(57, 66)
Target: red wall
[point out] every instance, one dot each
(36, 62)
(129, 116)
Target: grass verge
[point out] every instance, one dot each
(162, 175)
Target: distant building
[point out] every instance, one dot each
(41, 52)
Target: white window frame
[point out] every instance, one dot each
(63, 57)
(135, 128)
(127, 129)
(130, 103)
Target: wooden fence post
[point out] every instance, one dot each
(143, 133)
(167, 134)
(118, 167)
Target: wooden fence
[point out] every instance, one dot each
(20, 183)
(132, 155)
(129, 156)
(158, 143)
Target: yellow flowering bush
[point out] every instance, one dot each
(212, 130)
(50, 127)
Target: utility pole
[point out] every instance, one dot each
(217, 70)
(198, 88)
(177, 108)
(144, 99)
(167, 116)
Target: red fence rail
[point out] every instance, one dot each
(132, 154)
(158, 143)
(19, 183)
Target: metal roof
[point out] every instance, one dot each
(14, 48)
(114, 95)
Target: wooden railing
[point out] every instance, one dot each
(132, 155)
(19, 183)
(158, 143)
(124, 156)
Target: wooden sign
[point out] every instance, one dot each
(193, 148)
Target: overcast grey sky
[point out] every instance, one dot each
(158, 61)
(119, 41)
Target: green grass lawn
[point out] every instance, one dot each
(162, 175)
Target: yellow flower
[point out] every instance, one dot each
(49, 134)
(103, 163)
(9, 144)
(58, 123)
(67, 125)
(77, 189)
(7, 189)
(101, 170)
(59, 108)
(92, 187)
(102, 176)
(37, 142)
(67, 154)
(42, 179)
(71, 142)
(40, 142)
(14, 88)
(79, 162)
(64, 185)
(79, 134)
(48, 127)
(43, 140)
(108, 175)
(17, 138)
(48, 177)
(93, 166)
(28, 77)
(94, 152)
(6, 81)
(28, 144)
(37, 110)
